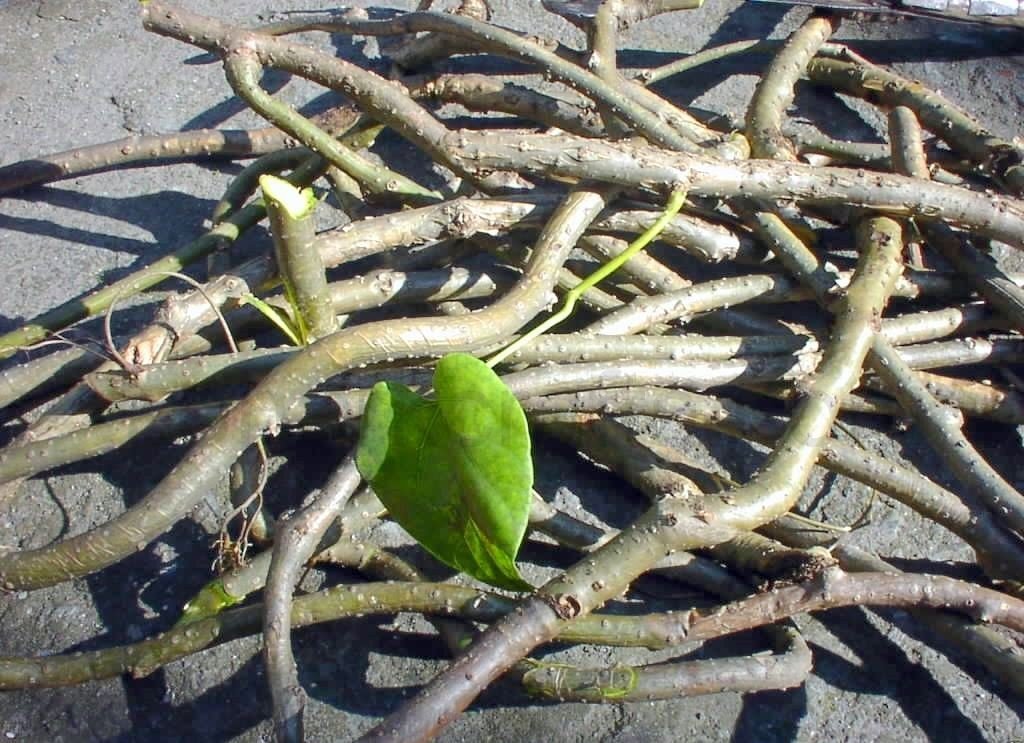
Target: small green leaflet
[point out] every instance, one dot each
(455, 470)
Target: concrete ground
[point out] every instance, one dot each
(73, 73)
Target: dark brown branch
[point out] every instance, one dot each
(836, 588)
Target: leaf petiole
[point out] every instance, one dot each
(282, 322)
(672, 207)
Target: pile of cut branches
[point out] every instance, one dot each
(870, 267)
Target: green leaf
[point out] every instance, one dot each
(454, 471)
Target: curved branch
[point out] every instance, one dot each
(271, 401)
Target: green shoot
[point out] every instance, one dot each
(675, 203)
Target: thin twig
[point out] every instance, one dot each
(296, 542)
